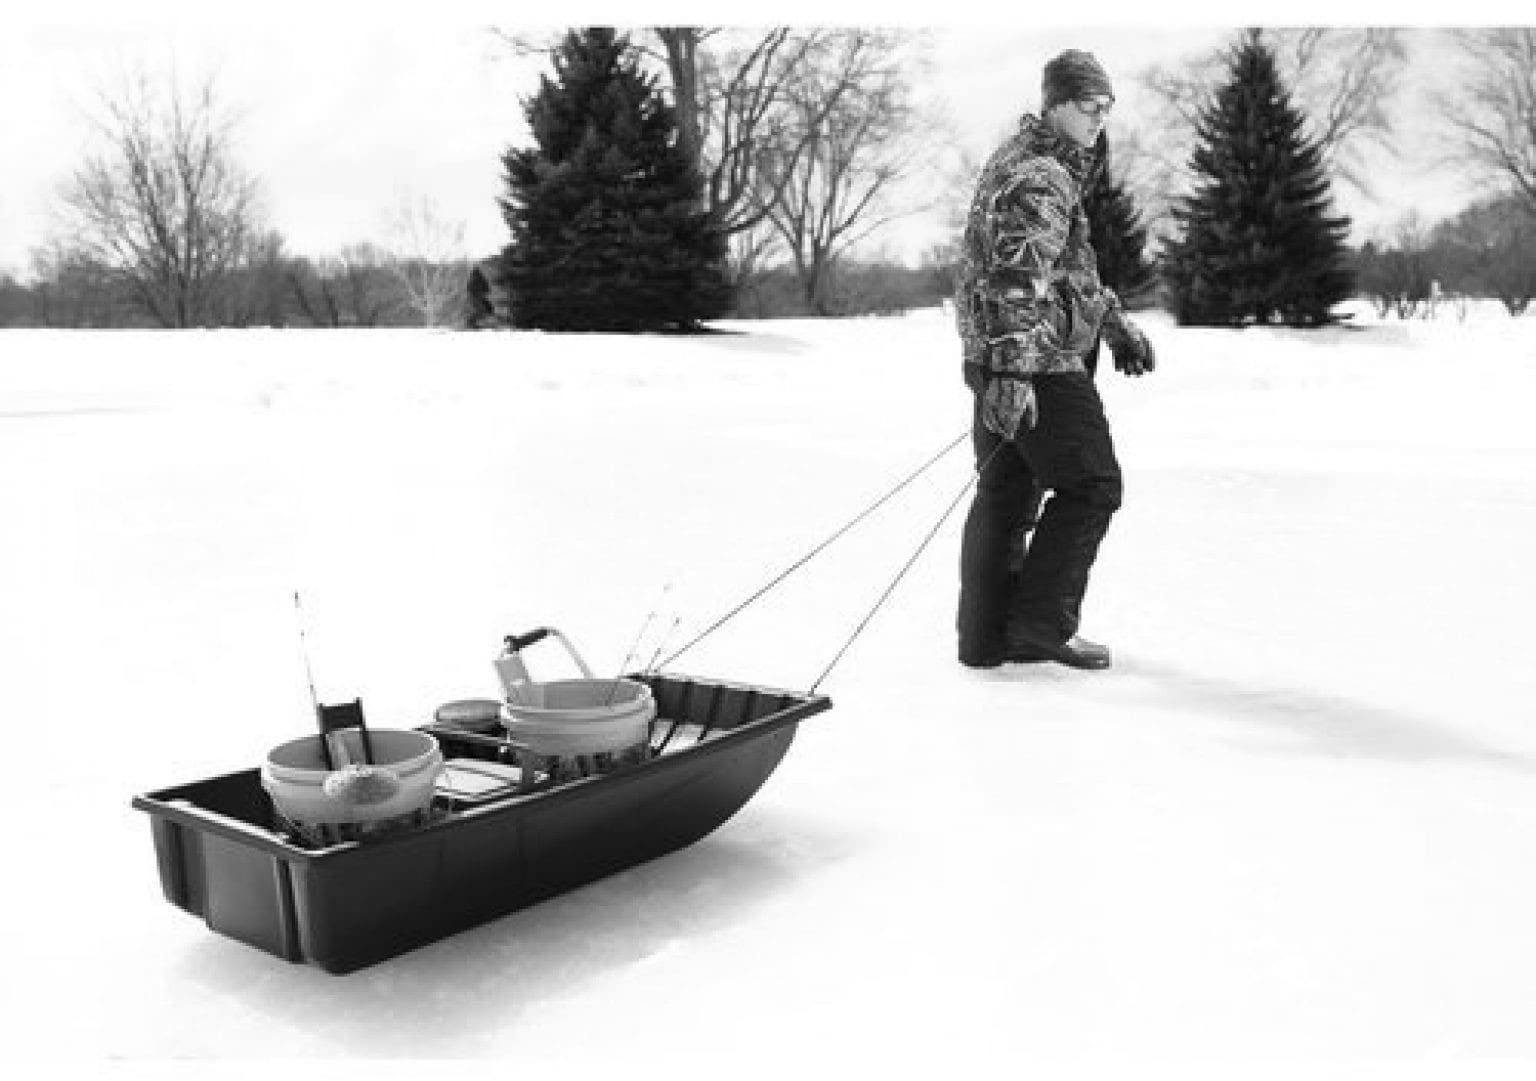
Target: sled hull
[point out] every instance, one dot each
(354, 904)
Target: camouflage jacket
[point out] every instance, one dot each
(1028, 299)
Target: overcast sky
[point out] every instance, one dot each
(346, 109)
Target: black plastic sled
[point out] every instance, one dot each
(223, 855)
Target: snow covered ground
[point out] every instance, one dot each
(1289, 834)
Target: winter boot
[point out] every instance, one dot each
(1075, 652)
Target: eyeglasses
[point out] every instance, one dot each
(1094, 107)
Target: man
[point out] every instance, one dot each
(1031, 311)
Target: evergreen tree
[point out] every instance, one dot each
(609, 230)
(1258, 243)
(1118, 238)
(478, 310)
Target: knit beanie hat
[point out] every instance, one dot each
(1073, 75)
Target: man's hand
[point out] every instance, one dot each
(1133, 351)
(1008, 402)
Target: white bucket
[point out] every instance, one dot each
(570, 717)
(294, 776)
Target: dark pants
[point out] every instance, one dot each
(1068, 453)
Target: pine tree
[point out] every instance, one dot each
(1118, 238)
(609, 230)
(1258, 242)
(478, 310)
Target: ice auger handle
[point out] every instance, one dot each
(510, 666)
(516, 642)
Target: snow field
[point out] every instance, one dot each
(1289, 831)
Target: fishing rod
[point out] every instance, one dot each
(309, 674)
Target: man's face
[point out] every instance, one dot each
(1081, 120)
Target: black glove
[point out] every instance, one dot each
(1133, 351)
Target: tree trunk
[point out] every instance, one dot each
(682, 45)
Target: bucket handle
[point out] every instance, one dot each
(510, 664)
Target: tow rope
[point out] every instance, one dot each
(818, 549)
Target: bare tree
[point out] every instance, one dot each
(164, 204)
(363, 270)
(1493, 115)
(74, 290)
(354, 288)
(257, 292)
(825, 182)
(427, 258)
(315, 294)
(748, 254)
(736, 101)
(1345, 81)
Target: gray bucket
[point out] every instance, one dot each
(295, 773)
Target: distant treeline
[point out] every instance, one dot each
(359, 288)
(362, 290)
(1488, 250)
